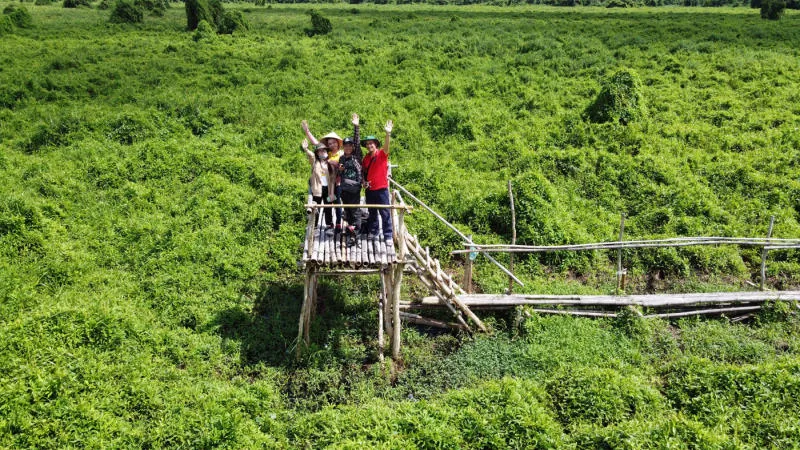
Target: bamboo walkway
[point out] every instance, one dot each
(656, 305)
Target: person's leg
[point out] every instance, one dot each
(350, 198)
(328, 212)
(386, 215)
(371, 198)
(338, 190)
(318, 201)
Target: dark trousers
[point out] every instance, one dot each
(379, 197)
(323, 200)
(352, 215)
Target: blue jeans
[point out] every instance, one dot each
(379, 197)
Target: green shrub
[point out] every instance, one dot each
(772, 9)
(77, 3)
(19, 15)
(127, 11)
(319, 24)
(154, 7)
(204, 32)
(196, 12)
(43, 2)
(620, 99)
(232, 21)
(6, 25)
(104, 5)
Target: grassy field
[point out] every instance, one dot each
(151, 219)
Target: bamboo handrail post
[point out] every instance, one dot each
(513, 237)
(468, 271)
(764, 254)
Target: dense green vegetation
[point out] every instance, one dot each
(151, 220)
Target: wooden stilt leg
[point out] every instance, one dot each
(386, 286)
(397, 284)
(381, 301)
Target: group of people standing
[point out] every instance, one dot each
(339, 172)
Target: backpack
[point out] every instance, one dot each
(351, 175)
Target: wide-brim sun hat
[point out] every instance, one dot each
(331, 135)
(320, 146)
(370, 138)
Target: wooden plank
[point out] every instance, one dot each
(654, 300)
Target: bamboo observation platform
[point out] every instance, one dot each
(403, 254)
(327, 255)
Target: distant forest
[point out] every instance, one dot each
(790, 4)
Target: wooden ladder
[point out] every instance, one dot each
(439, 282)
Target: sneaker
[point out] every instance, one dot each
(371, 237)
(352, 241)
(329, 232)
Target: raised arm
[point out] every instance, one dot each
(309, 153)
(388, 128)
(357, 138)
(310, 136)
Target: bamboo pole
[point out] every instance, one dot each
(398, 280)
(704, 311)
(415, 318)
(619, 253)
(381, 302)
(386, 290)
(671, 242)
(649, 301)
(459, 233)
(574, 313)
(513, 236)
(442, 300)
(359, 206)
(764, 254)
(468, 274)
(348, 272)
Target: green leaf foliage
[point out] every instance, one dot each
(620, 99)
(19, 16)
(127, 11)
(151, 220)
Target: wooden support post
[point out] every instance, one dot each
(513, 239)
(619, 255)
(397, 280)
(764, 254)
(386, 289)
(381, 301)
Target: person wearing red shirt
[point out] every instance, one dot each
(375, 168)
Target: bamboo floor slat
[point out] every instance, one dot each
(335, 251)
